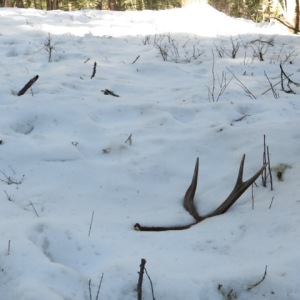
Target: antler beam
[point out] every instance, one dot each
(189, 205)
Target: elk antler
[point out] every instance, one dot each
(188, 203)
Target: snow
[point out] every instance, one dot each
(74, 184)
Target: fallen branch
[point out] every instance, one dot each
(28, 85)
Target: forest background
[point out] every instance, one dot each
(285, 11)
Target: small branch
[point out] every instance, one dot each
(136, 59)
(129, 140)
(264, 173)
(271, 202)
(259, 282)
(8, 196)
(152, 290)
(91, 223)
(34, 208)
(28, 85)
(49, 47)
(90, 289)
(108, 92)
(242, 85)
(269, 168)
(276, 95)
(94, 70)
(287, 25)
(277, 83)
(8, 180)
(140, 282)
(99, 286)
(241, 118)
(8, 248)
(283, 76)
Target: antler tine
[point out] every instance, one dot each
(188, 201)
(239, 188)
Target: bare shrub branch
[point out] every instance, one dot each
(260, 47)
(248, 93)
(283, 77)
(222, 83)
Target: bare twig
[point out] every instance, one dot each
(129, 140)
(28, 85)
(152, 290)
(222, 83)
(90, 289)
(108, 92)
(9, 198)
(135, 60)
(260, 281)
(271, 202)
(264, 173)
(99, 286)
(49, 47)
(94, 70)
(269, 168)
(288, 76)
(31, 204)
(283, 76)
(91, 223)
(275, 94)
(8, 247)
(260, 47)
(242, 85)
(9, 180)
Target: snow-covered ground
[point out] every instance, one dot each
(79, 168)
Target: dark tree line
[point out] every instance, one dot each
(285, 10)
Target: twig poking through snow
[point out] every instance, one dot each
(284, 76)
(243, 86)
(259, 282)
(28, 85)
(140, 282)
(94, 70)
(271, 202)
(135, 59)
(152, 290)
(34, 208)
(129, 140)
(99, 286)
(8, 248)
(91, 224)
(108, 92)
